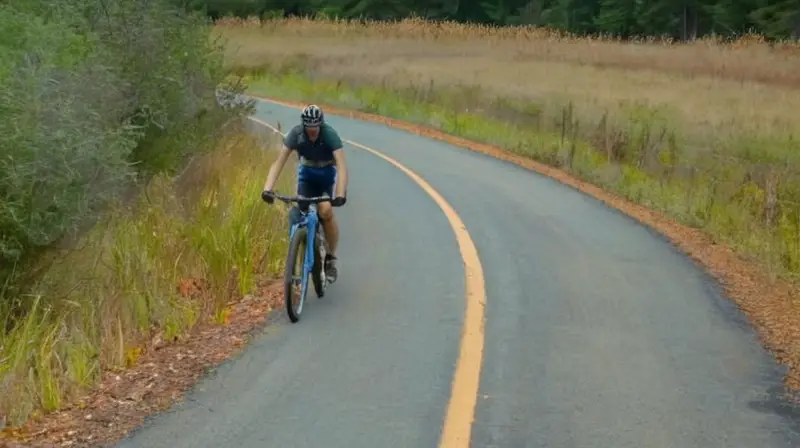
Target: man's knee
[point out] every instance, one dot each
(326, 211)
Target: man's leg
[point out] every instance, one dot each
(331, 228)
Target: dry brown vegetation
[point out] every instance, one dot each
(711, 87)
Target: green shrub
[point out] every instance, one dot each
(93, 95)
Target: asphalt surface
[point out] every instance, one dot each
(598, 333)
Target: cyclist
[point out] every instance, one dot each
(321, 162)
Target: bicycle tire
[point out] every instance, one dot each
(295, 246)
(319, 265)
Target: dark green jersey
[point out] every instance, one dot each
(320, 150)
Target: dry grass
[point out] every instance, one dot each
(746, 59)
(708, 87)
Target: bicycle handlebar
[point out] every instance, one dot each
(300, 199)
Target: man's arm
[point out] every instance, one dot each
(341, 174)
(335, 142)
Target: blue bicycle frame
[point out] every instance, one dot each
(309, 220)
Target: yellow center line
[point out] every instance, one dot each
(458, 420)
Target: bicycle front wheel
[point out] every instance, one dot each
(295, 281)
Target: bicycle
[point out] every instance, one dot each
(308, 234)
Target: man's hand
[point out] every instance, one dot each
(267, 196)
(338, 201)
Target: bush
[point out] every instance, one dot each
(92, 95)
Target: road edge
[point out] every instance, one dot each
(766, 301)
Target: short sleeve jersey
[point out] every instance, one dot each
(318, 151)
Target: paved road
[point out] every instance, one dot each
(598, 333)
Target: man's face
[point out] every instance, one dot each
(312, 132)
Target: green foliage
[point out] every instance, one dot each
(60, 157)
(91, 96)
(625, 18)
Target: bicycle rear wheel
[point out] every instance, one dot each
(295, 283)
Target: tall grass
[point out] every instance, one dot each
(125, 281)
(747, 58)
(710, 93)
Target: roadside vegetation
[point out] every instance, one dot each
(129, 198)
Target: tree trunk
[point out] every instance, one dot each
(689, 31)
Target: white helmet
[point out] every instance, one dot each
(312, 115)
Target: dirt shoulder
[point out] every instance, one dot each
(767, 302)
(164, 371)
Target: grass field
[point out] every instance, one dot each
(705, 132)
